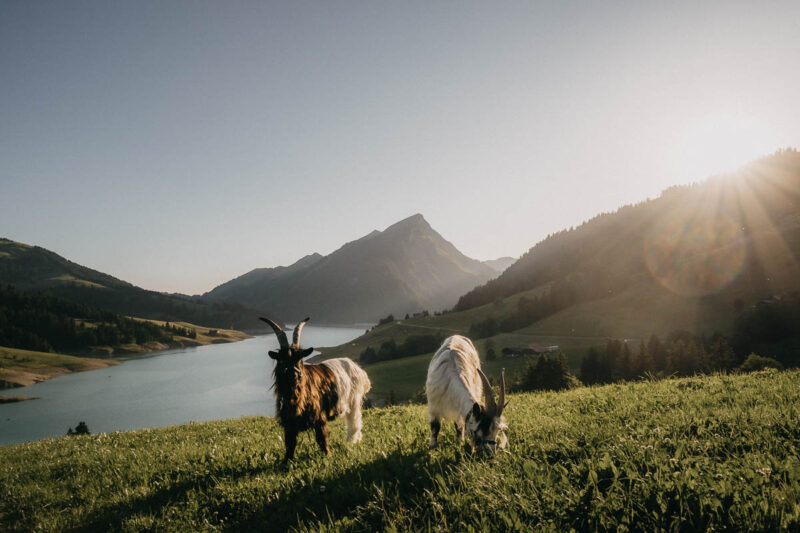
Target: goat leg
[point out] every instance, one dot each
(435, 427)
(321, 432)
(459, 430)
(290, 439)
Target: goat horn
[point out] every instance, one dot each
(491, 406)
(297, 329)
(284, 342)
(502, 399)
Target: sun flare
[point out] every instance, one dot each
(717, 144)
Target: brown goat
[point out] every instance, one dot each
(308, 396)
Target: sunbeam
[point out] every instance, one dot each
(736, 227)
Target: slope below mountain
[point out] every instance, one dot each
(37, 269)
(500, 264)
(407, 267)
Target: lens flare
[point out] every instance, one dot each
(694, 257)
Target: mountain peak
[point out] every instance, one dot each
(309, 259)
(414, 221)
(404, 268)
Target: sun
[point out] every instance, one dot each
(718, 144)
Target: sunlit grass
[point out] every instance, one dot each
(716, 452)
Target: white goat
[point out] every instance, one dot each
(454, 388)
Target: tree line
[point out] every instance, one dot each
(768, 327)
(413, 345)
(42, 322)
(679, 354)
(560, 295)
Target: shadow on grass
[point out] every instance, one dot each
(385, 481)
(396, 478)
(112, 517)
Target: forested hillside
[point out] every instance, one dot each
(33, 268)
(731, 240)
(42, 322)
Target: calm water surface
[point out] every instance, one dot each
(161, 389)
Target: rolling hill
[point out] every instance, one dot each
(33, 268)
(408, 267)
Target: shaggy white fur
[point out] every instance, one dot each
(454, 388)
(352, 384)
(453, 383)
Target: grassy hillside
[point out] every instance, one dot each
(448, 324)
(19, 368)
(204, 335)
(401, 378)
(717, 452)
(642, 308)
(738, 232)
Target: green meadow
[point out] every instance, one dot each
(719, 452)
(634, 314)
(402, 378)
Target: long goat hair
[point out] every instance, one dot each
(454, 389)
(308, 396)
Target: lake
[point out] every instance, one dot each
(158, 389)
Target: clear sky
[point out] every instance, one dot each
(177, 145)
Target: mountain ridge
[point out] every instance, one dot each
(674, 231)
(407, 267)
(33, 268)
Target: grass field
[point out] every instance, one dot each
(708, 453)
(26, 367)
(640, 310)
(633, 314)
(405, 376)
(448, 324)
(402, 378)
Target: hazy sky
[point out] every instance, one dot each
(179, 144)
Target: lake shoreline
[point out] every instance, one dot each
(36, 367)
(43, 366)
(14, 399)
(156, 389)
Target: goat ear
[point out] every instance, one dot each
(306, 352)
(298, 355)
(476, 410)
(274, 354)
